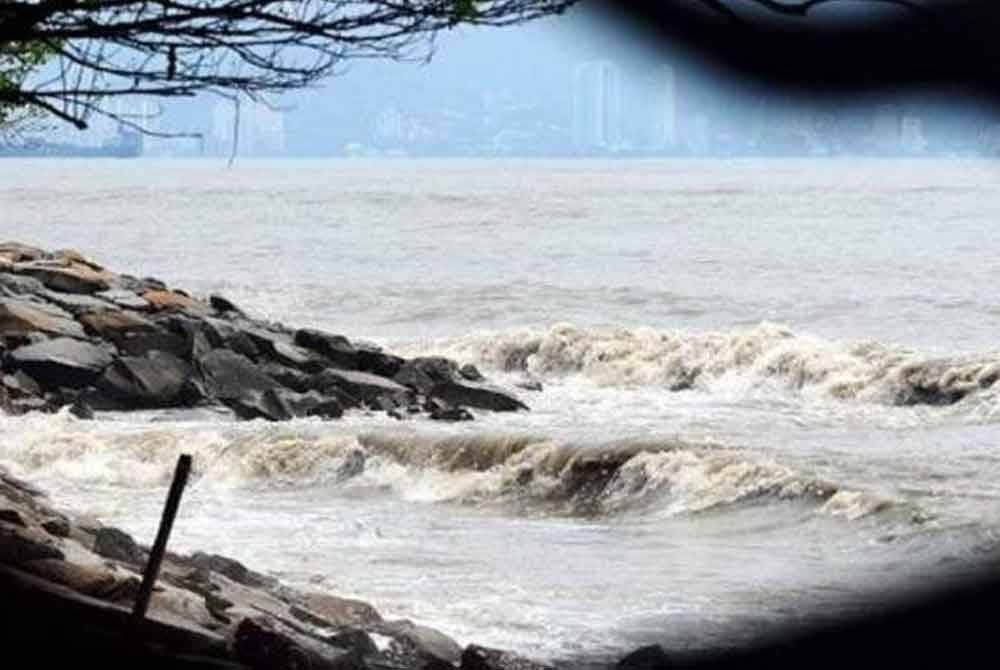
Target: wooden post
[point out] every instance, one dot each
(162, 535)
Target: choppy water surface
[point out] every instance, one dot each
(738, 341)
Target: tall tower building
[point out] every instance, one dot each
(663, 108)
(597, 106)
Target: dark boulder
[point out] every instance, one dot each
(315, 404)
(18, 545)
(118, 546)
(229, 375)
(157, 379)
(21, 385)
(231, 569)
(471, 372)
(57, 527)
(62, 362)
(483, 658)
(482, 396)
(334, 348)
(439, 410)
(223, 305)
(263, 644)
(651, 657)
(422, 374)
(372, 359)
(142, 343)
(272, 404)
(280, 348)
(296, 380)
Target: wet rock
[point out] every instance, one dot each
(441, 411)
(125, 299)
(65, 277)
(314, 404)
(22, 318)
(471, 372)
(291, 379)
(341, 612)
(11, 516)
(422, 374)
(263, 645)
(81, 409)
(223, 306)
(61, 362)
(157, 379)
(482, 396)
(272, 405)
(372, 359)
(651, 657)
(93, 581)
(422, 641)
(118, 546)
(21, 385)
(335, 348)
(355, 640)
(483, 658)
(231, 569)
(18, 545)
(278, 347)
(228, 375)
(364, 386)
(57, 527)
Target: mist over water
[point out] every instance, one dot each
(734, 429)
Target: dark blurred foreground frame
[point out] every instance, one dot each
(827, 47)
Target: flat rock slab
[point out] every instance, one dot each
(126, 299)
(61, 362)
(21, 318)
(362, 385)
(113, 323)
(65, 277)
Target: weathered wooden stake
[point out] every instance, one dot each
(162, 535)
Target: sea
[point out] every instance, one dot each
(742, 336)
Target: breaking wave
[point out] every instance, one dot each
(767, 353)
(525, 474)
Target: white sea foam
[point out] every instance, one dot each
(767, 354)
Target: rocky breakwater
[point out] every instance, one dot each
(73, 333)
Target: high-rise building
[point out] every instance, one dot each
(597, 106)
(663, 108)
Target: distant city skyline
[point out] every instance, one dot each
(549, 89)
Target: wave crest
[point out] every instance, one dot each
(767, 353)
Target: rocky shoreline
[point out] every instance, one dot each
(74, 334)
(245, 616)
